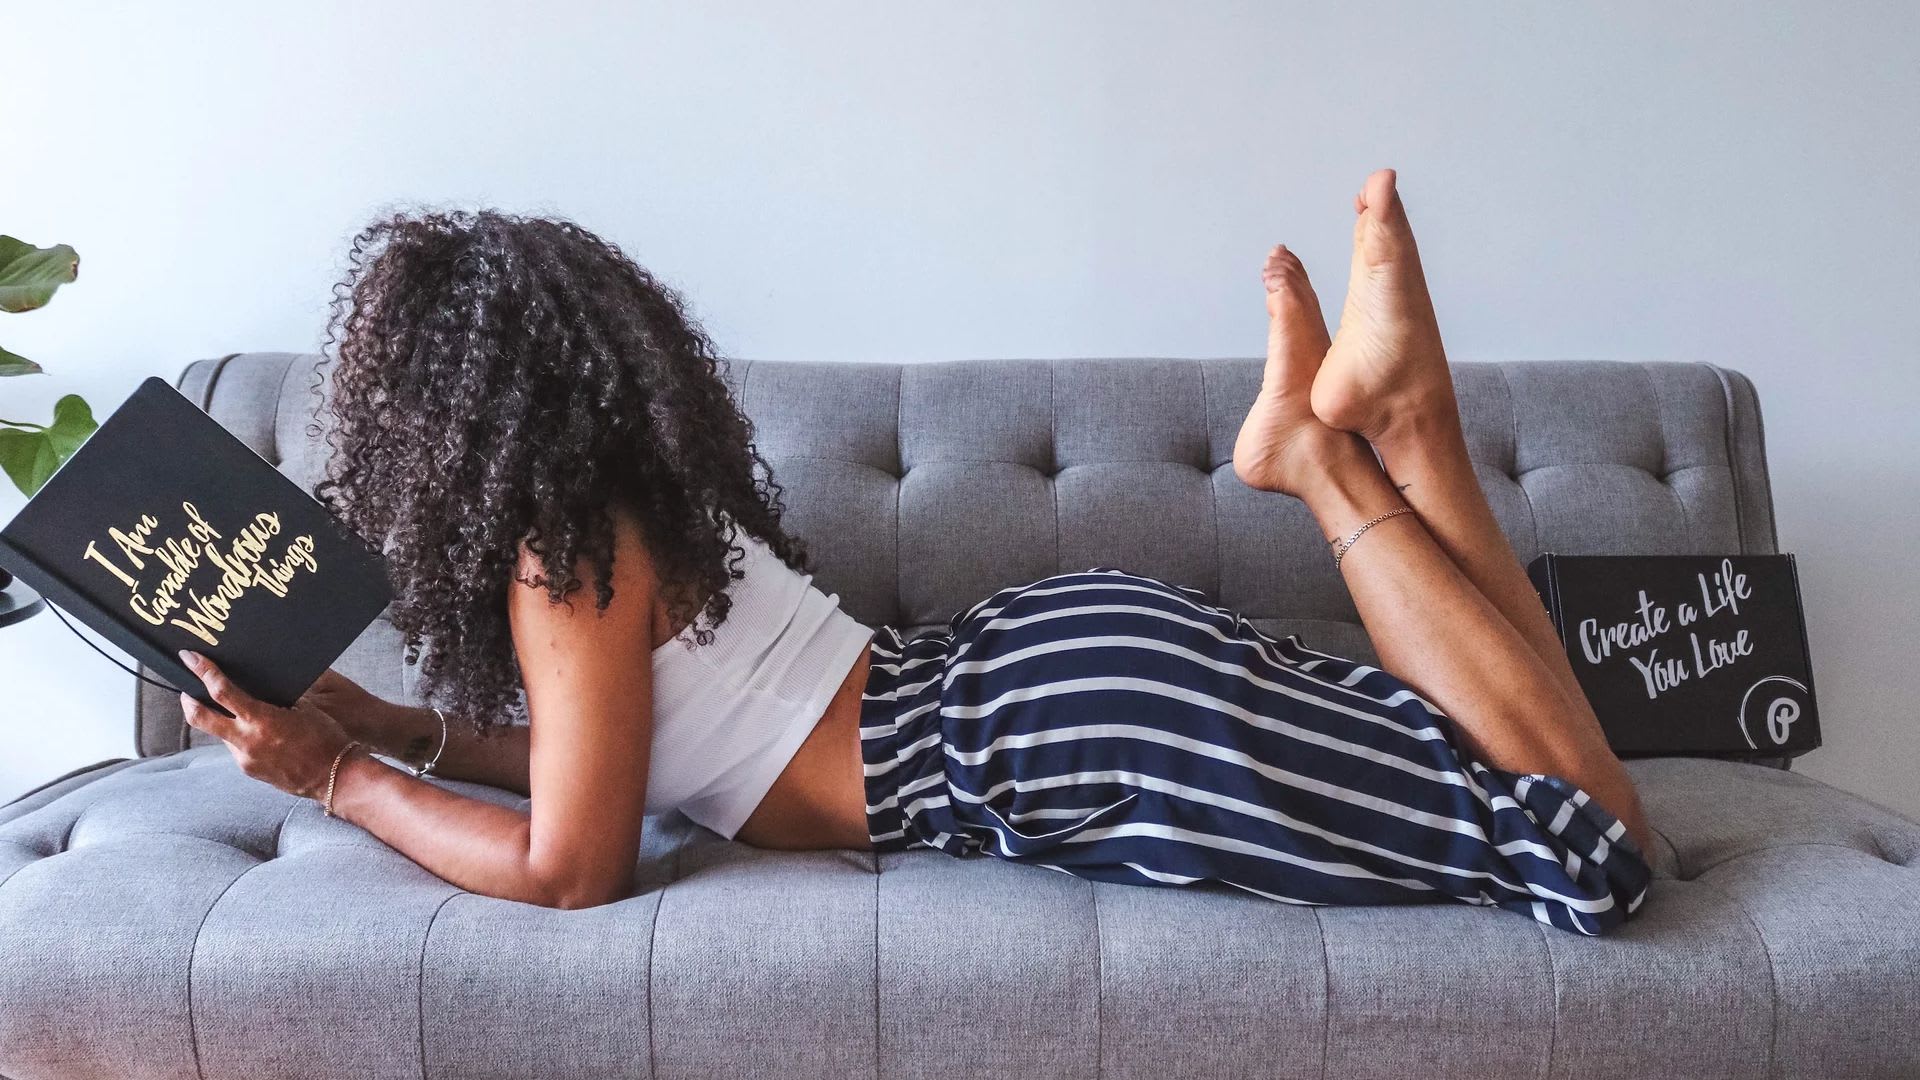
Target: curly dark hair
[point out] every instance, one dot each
(499, 379)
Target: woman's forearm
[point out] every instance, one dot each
(479, 846)
(498, 759)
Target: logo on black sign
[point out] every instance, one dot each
(1769, 708)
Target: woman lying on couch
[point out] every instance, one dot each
(524, 413)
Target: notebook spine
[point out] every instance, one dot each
(59, 592)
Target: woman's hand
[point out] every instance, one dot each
(399, 731)
(382, 724)
(291, 749)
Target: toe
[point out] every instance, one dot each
(1284, 271)
(1286, 265)
(1379, 190)
(1281, 264)
(1291, 300)
(1381, 233)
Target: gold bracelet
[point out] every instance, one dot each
(1340, 549)
(333, 774)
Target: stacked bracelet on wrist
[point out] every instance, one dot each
(333, 774)
(435, 760)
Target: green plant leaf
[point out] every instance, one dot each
(28, 458)
(29, 276)
(15, 364)
(72, 423)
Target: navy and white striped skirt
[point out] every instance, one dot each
(1118, 728)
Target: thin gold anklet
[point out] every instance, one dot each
(1340, 549)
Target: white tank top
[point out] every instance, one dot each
(729, 715)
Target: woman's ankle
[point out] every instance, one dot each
(1350, 490)
(1428, 450)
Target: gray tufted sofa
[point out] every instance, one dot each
(168, 917)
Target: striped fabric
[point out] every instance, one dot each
(1119, 728)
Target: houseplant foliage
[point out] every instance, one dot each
(30, 452)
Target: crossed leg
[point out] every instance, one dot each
(1446, 604)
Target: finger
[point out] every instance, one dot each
(205, 719)
(219, 687)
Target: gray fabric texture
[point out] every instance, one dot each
(170, 917)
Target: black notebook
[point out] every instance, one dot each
(165, 532)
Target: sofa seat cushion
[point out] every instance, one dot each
(171, 917)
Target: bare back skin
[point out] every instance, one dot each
(820, 801)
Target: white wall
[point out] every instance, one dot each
(1733, 183)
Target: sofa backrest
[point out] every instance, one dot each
(922, 488)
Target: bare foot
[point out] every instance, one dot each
(1282, 445)
(1386, 362)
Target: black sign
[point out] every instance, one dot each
(1687, 654)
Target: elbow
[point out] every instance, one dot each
(576, 900)
(568, 878)
(575, 892)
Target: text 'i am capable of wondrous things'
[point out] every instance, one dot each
(242, 562)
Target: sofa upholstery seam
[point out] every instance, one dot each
(10, 874)
(1099, 985)
(1600, 465)
(66, 841)
(899, 490)
(193, 950)
(653, 943)
(1053, 462)
(279, 403)
(1727, 445)
(62, 778)
(1879, 855)
(1513, 429)
(838, 461)
(213, 379)
(1553, 1021)
(420, 977)
(1213, 490)
(1773, 979)
(1326, 998)
(1729, 391)
(1666, 470)
(1679, 861)
(1766, 466)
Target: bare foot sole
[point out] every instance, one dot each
(1386, 363)
(1282, 445)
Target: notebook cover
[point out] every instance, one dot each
(164, 532)
(1683, 654)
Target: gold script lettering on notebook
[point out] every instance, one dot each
(243, 564)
